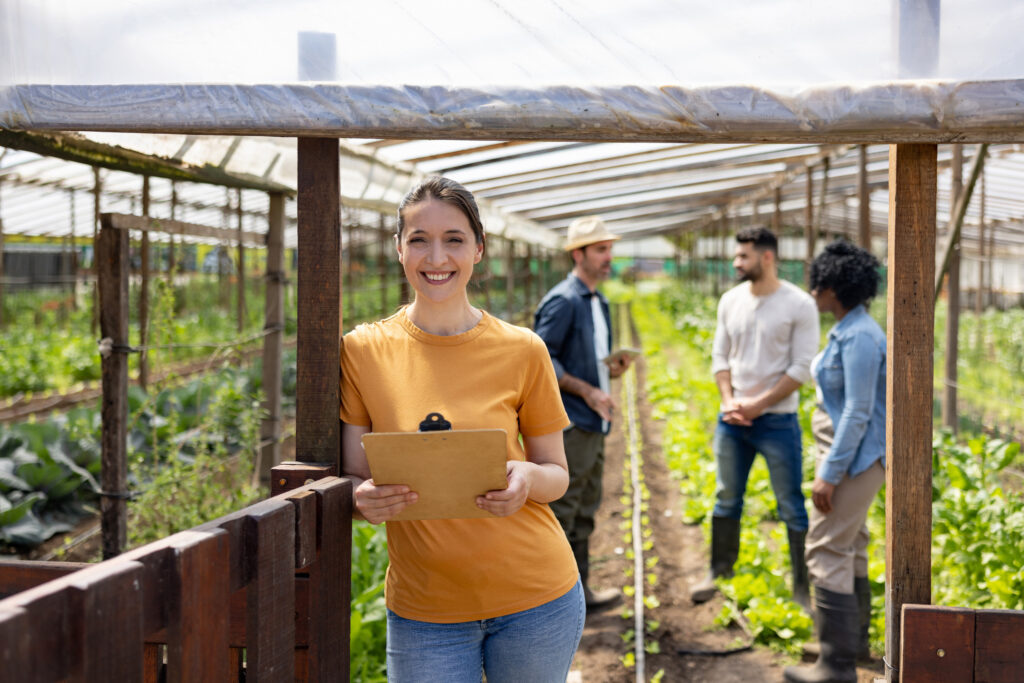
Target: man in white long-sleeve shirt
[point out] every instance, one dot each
(766, 337)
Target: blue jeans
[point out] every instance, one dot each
(776, 436)
(535, 645)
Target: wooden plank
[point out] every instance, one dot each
(197, 630)
(292, 475)
(270, 628)
(270, 427)
(318, 400)
(330, 582)
(305, 503)
(153, 663)
(111, 622)
(909, 379)
(16, 642)
(112, 272)
(238, 608)
(938, 644)
(809, 224)
(20, 575)
(170, 227)
(999, 646)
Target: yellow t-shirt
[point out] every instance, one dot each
(495, 375)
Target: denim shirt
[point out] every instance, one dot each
(851, 376)
(564, 320)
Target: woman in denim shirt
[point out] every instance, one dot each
(850, 470)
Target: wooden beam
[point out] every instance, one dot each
(909, 380)
(112, 269)
(318, 400)
(169, 227)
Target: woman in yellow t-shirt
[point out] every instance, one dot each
(497, 595)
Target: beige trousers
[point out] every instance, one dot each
(837, 542)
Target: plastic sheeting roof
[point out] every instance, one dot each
(672, 73)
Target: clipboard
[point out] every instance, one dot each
(447, 468)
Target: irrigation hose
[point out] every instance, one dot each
(638, 545)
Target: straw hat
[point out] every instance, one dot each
(587, 230)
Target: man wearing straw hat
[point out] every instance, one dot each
(574, 321)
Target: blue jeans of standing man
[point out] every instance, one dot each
(776, 436)
(535, 645)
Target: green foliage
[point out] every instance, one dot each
(977, 526)
(369, 619)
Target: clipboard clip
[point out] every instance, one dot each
(435, 422)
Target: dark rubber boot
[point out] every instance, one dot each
(581, 551)
(595, 600)
(801, 584)
(725, 548)
(862, 589)
(838, 633)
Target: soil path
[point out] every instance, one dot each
(682, 559)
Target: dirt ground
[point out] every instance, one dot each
(682, 560)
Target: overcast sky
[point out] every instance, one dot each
(507, 42)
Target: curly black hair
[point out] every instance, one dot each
(849, 271)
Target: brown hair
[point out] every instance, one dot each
(448, 191)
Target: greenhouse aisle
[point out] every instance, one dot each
(674, 622)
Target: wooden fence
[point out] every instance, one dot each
(261, 594)
(957, 645)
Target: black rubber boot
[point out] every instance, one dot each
(581, 551)
(595, 600)
(725, 548)
(838, 632)
(801, 584)
(862, 589)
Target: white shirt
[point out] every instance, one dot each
(601, 351)
(760, 338)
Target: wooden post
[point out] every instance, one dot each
(382, 266)
(70, 276)
(990, 271)
(777, 216)
(809, 225)
(864, 199)
(510, 280)
(172, 257)
(241, 263)
(112, 271)
(349, 257)
(144, 293)
(909, 379)
(97, 189)
(949, 411)
(819, 225)
(1, 255)
(978, 300)
(318, 400)
(270, 427)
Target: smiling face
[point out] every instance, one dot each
(437, 250)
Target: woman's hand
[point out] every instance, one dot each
(507, 502)
(821, 495)
(380, 503)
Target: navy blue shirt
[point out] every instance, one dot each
(564, 320)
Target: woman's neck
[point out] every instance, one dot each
(443, 320)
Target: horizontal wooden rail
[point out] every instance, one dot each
(957, 645)
(272, 578)
(123, 221)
